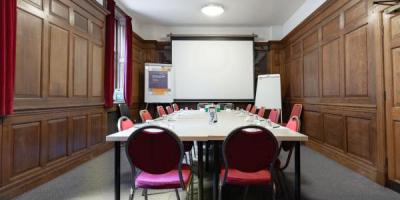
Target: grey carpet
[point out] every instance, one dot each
(322, 179)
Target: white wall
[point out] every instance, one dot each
(277, 32)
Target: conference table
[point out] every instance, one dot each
(193, 125)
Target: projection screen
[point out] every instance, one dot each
(213, 69)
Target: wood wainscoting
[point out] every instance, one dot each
(333, 62)
(59, 120)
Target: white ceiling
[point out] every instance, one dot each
(237, 12)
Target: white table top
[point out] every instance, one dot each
(193, 125)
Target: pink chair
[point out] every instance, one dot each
(294, 125)
(253, 109)
(145, 115)
(124, 123)
(249, 152)
(161, 111)
(175, 107)
(169, 109)
(296, 110)
(261, 112)
(248, 108)
(157, 153)
(274, 115)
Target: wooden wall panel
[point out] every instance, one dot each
(79, 133)
(356, 62)
(58, 94)
(26, 143)
(312, 124)
(331, 69)
(342, 83)
(28, 69)
(80, 66)
(57, 131)
(97, 71)
(334, 130)
(396, 76)
(311, 74)
(58, 72)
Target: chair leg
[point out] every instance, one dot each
(191, 158)
(145, 194)
(177, 194)
(207, 152)
(186, 159)
(132, 194)
(273, 191)
(194, 148)
(220, 192)
(246, 191)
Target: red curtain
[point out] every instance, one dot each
(129, 67)
(8, 22)
(109, 55)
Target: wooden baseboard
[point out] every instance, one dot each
(357, 165)
(44, 175)
(393, 185)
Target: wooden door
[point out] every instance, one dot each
(391, 24)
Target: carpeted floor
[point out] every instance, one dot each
(322, 179)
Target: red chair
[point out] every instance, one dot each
(261, 112)
(249, 153)
(274, 115)
(161, 111)
(294, 125)
(175, 107)
(248, 108)
(169, 109)
(124, 123)
(253, 109)
(157, 153)
(145, 115)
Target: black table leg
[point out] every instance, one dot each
(207, 153)
(297, 181)
(200, 168)
(216, 170)
(117, 168)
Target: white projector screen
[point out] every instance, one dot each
(213, 69)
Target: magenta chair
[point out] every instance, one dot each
(175, 107)
(161, 112)
(253, 109)
(294, 125)
(169, 109)
(274, 115)
(249, 154)
(157, 152)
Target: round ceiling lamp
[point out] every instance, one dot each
(212, 10)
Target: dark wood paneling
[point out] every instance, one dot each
(80, 66)
(334, 131)
(312, 124)
(356, 62)
(96, 129)
(26, 143)
(57, 130)
(342, 82)
(79, 133)
(331, 69)
(29, 55)
(311, 74)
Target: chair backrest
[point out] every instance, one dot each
(294, 125)
(124, 123)
(253, 109)
(225, 106)
(250, 149)
(161, 112)
(202, 105)
(169, 109)
(274, 115)
(261, 112)
(155, 150)
(124, 110)
(248, 108)
(175, 107)
(296, 110)
(145, 115)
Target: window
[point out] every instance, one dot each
(119, 57)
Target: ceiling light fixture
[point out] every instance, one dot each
(212, 10)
